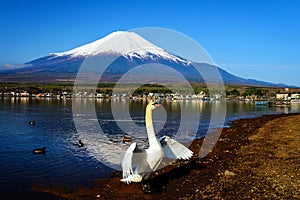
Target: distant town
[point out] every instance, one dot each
(257, 95)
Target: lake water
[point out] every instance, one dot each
(66, 164)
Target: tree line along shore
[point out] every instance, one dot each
(106, 89)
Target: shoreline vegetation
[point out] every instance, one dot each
(255, 158)
(262, 95)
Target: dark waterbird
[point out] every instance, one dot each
(80, 144)
(32, 122)
(39, 151)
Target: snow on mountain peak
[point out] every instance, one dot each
(128, 44)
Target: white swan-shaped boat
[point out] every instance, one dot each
(139, 164)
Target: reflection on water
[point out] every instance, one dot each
(64, 163)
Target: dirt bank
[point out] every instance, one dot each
(254, 159)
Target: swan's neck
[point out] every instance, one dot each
(153, 142)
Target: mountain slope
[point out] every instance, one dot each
(129, 48)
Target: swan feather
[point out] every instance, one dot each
(173, 149)
(130, 162)
(127, 161)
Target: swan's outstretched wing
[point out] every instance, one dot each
(173, 149)
(127, 161)
(130, 163)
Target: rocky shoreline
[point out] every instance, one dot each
(254, 159)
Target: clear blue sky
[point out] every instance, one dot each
(252, 39)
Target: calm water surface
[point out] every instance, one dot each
(65, 163)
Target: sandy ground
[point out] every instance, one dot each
(254, 159)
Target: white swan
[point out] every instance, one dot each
(139, 164)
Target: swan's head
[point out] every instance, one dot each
(153, 105)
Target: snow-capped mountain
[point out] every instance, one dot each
(127, 44)
(130, 49)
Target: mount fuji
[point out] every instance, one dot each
(128, 44)
(129, 48)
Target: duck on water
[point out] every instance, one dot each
(126, 139)
(80, 144)
(32, 122)
(39, 151)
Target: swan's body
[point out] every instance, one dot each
(139, 164)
